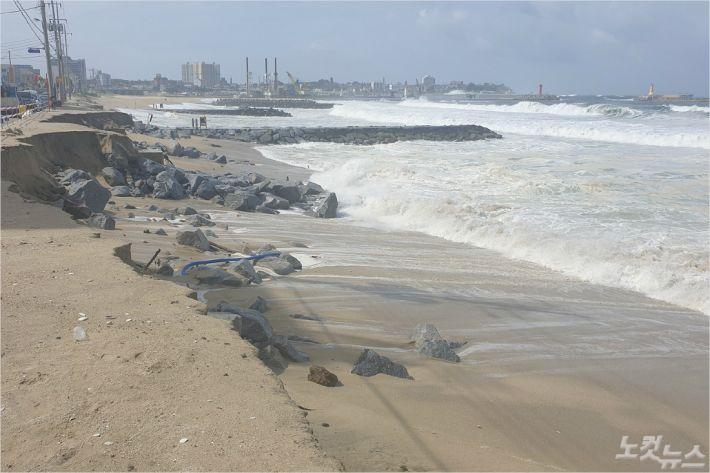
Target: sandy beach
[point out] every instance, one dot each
(554, 371)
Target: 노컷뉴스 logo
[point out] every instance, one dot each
(652, 448)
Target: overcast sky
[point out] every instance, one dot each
(571, 47)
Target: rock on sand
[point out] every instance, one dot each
(371, 363)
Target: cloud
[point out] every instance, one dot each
(435, 18)
(603, 37)
(316, 46)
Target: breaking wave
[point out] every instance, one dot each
(600, 122)
(689, 108)
(599, 225)
(562, 109)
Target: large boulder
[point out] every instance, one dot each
(166, 269)
(175, 148)
(205, 190)
(310, 188)
(276, 264)
(240, 200)
(371, 363)
(429, 342)
(259, 304)
(195, 180)
(438, 349)
(76, 210)
(271, 356)
(273, 201)
(286, 190)
(250, 324)
(102, 221)
(121, 191)
(261, 208)
(167, 186)
(423, 333)
(187, 211)
(196, 239)
(73, 175)
(287, 349)
(117, 160)
(328, 208)
(246, 269)
(149, 167)
(113, 176)
(175, 173)
(216, 277)
(91, 193)
(291, 260)
(255, 177)
(200, 221)
(191, 152)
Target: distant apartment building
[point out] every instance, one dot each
(22, 75)
(201, 74)
(101, 79)
(75, 71)
(428, 83)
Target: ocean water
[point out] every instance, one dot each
(608, 190)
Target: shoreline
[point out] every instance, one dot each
(501, 408)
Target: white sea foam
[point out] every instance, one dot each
(600, 122)
(640, 223)
(563, 109)
(689, 108)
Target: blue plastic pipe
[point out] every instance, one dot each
(191, 264)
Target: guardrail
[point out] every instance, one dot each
(10, 115)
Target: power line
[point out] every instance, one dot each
(18, 11)
(28, 21)
(4, 54)
(19, 41)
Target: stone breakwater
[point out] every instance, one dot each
(242, 111)
(268, 103)
(348, 135)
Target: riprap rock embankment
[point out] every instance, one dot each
(368, 135)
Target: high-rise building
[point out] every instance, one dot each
(428, 83)
(22, 75)
(102, 80)
(75, 71)
(201, 74)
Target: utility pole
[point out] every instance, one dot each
(276, 80)
(266, 75)
(60, 59)
(66, 48)
(46, 52)
(247, 76)
(11, 71)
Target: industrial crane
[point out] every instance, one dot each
(297, 85)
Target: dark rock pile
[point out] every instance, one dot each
(268, 103)
(141, 177)
(368, 135)
(242, 111)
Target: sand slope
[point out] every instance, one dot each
(168, 373)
